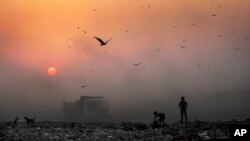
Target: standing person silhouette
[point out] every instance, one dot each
(183, 106)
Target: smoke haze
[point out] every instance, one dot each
(192, 48)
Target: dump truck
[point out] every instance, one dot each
(88, 107)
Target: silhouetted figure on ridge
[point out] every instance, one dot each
(183, 106)
(159, 119)
(15, 121)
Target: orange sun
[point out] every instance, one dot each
(52, 71)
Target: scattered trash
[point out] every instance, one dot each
(195, 131)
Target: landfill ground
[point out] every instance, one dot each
(125, 131)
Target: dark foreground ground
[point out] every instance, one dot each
(64, 131)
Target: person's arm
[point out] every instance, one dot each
(179, 104)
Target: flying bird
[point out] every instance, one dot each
(102, 43)
(182, 47)
(214, 15)
(138, 64)
(85, 31)
(236, 48)
(83, 86)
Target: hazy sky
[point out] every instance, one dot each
(212, 71)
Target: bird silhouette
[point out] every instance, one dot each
(236, 49)
(182, 47)
(137, 64)
(102, 43)
(214, 15)
(83, 86)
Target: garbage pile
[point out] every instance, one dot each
(125, 131)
